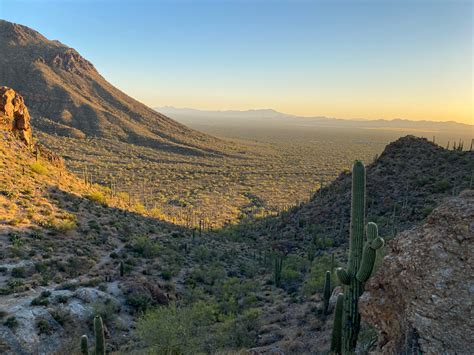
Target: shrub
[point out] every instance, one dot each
(61, 315)
(139, 302)
(177, 330)
(145, 246)
(43, 326)
(97, 196)
(62, 225)
(19, 272)
(38, 168)
(11, 322)
(107, 310)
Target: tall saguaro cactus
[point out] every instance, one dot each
(278, 268)
(361, 260)
(99, 336)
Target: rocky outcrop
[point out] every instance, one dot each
(14, 118)
(421, 298)
(14, 115)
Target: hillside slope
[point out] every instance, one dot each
(70, 249)
(67, 96)
(404, 184)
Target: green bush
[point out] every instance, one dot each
(177, 330)
(107, 309)
(139, 302)
(38, 168)
(145, 246)
(97, 197)
(43, 326)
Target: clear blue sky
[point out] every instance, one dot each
(405, 58)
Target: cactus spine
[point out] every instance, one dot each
(84, 345)
(99, 336)
(361, 260)
(337, 326)
(327, 291)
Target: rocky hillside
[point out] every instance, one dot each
(68, 96)
(421, 298)
(404, 184)
(70, 250)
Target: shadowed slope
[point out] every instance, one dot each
(404, 184)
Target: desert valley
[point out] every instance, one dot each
(129, 229)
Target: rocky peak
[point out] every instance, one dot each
(421, 297)
(14, 115)
(70, 60)
(18, 34)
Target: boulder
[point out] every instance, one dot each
(421, 297)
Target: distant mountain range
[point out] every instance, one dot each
(264, 116)
(67, 96)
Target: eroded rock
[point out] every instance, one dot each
(14, 115)
(422, 295)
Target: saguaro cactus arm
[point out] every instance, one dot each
(373, 243)
(343, 276)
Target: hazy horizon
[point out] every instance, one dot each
(257, 109)
(361, 59)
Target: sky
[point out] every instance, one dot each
(369, 59)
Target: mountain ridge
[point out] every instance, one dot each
(68, 96)
(269, 113)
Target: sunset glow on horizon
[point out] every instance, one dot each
(345, 59)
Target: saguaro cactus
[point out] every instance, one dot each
(327, 291)
(361, 260)
(99, 336)
(84, 345)
(278, 267)
(337, 326)
(122, 269)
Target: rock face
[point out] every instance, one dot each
(14, 115)
(421, 298)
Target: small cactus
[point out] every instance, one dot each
(84, 345)
(99, 336)
(122, 269)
